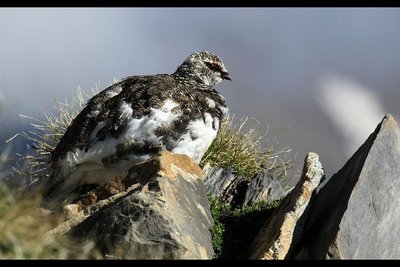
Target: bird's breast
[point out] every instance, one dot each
(197, 137)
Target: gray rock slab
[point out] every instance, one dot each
(264, 187)
(166, 217)
(357, 212)
(229, 187)
(284, 227)
(218, 180)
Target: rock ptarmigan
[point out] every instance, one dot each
(135, 119)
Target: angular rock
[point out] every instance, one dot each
(356, 214)
(264, 187)
(165, 216)
(283, 228)
(236, 190)
(218, 180)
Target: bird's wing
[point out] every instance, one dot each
(95, 110)
(107, 113)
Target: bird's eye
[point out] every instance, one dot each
(213, 66)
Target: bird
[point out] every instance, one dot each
(135, 119)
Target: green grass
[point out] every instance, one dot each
(218, 211)
(235, 228)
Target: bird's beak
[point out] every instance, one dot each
(225, 76)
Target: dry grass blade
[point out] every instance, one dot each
(22, 233)
(242, 149)
(47, 133)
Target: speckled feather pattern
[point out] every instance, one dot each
(135, 119)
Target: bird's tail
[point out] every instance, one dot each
(61, 188)
(54, 192)
(47, 188)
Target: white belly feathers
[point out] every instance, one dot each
(198, 138)
(194, 142)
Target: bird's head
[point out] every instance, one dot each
(205, 67)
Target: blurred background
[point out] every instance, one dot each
(319, 79)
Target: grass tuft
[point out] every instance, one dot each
(47, 133)
(242, 149)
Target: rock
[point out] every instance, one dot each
(283, 228)
(70, 210)
(218, 181)
(85, 210)
(356, 214)
(165, 216)
(67, 225)
(236, 190)
(264, 187)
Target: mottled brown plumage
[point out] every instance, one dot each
(136, 118)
